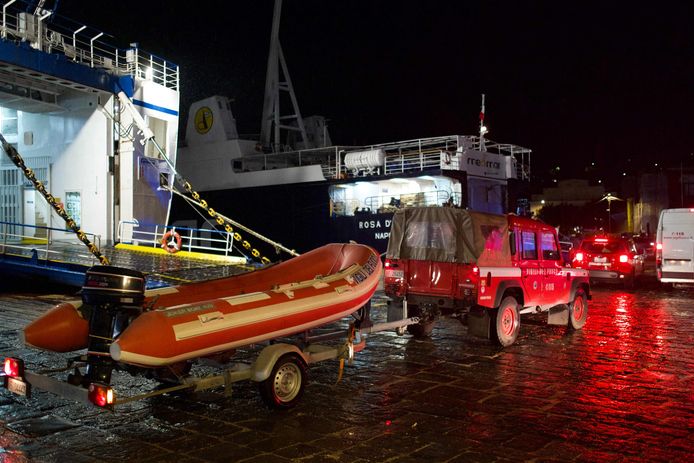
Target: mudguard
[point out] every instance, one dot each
(501, 290)
(479, 322)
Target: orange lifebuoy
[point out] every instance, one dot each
(171, 242)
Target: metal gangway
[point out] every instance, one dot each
(55, 255)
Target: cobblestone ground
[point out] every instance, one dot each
(621, 390)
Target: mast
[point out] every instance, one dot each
(483, 128)
(272, 120)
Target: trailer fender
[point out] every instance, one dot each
(262, 367)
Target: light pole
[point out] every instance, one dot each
(609, 198)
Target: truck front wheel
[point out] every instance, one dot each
(507, 321)
(578, 310)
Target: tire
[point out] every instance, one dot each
(424, 328)
(578, 310)
(507, 322)
(285, 385)
(421, 329)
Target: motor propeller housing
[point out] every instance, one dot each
(113, 296)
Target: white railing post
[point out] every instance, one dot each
(91, 48)
(4, 18)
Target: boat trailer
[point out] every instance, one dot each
(279, 369)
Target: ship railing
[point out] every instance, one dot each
(424, 198)
(45, 243)
(393, 202)
(412, 161)
(201, 240)
(52, 33)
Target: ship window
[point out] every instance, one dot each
(73, 206)
(548, 246)
(8, 121)
(529, 247)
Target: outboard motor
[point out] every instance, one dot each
(114, 296)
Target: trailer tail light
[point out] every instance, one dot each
(624, 258)
(14, 368)
(101, 395)
(579, 257)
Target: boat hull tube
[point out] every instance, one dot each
(185, 322)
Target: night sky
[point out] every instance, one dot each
(577, 82)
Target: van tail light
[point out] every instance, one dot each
(624, 258)
(579, 257)
(14, 368)
(101, 395)
(659, 246)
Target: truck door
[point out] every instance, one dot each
(530, 267)
(554, 285)
(433, 275)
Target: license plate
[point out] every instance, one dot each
(600, 259)
(395, 273)
(18, 386)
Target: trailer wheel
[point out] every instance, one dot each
(507, 321)
(578, 310)
(285, 385)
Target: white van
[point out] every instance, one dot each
(675, 246)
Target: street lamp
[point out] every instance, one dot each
(609, 198)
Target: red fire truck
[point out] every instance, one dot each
(486, 269)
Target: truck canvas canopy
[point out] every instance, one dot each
(448, 234)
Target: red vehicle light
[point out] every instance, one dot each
(14, 368)
(101, 395)
(579, 257)
(624, 258)
(659, 246)
(475, 269)
(601, 240)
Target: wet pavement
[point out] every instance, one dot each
(620, 390)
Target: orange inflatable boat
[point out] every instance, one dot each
(117, 318)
